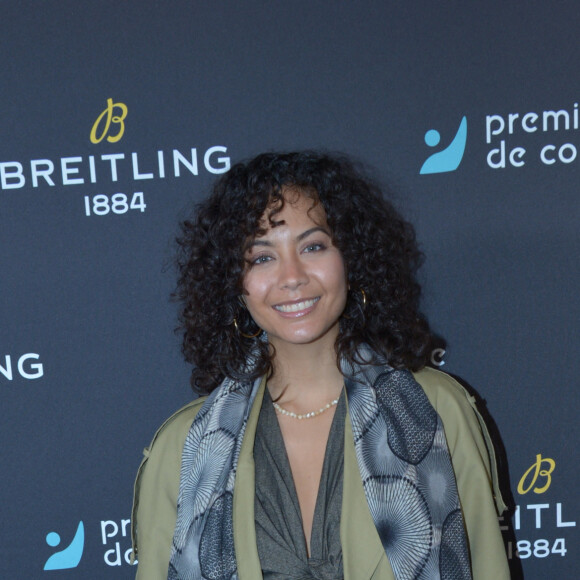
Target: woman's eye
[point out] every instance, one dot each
(316, 247)
(260, 260)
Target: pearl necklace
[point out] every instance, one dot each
(283, 411)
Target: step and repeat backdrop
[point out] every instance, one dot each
(115, 117)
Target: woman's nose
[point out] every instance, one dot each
(292, 273)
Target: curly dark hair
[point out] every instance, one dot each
(378, 247)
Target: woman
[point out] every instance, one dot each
(325, 448)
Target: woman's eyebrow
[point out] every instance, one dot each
(311, 231)
(258, 242)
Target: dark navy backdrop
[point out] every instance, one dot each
(89, 365)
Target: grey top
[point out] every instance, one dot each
(279, 532)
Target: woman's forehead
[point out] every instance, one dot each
(296, 204)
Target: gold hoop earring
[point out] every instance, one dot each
(243, 333)
(364, 303)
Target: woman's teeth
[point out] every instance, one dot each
(296, 307)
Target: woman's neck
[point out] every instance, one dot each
(305, 375)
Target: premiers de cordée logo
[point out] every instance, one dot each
(513, 140)
(115, 543)
(81, 171)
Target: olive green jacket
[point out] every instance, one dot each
(157, 488)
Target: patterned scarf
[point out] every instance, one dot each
(403, 461)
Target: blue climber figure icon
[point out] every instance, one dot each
(449, 158)
(70, 556)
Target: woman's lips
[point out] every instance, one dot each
(299, 308)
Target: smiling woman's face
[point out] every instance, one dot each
(295, 280)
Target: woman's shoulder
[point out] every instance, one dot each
(450, 398)
(439, 385)
(161, 462)
(454, 404)
(175, 428)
